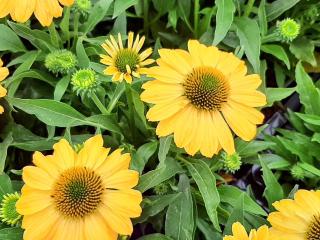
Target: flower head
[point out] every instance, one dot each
(8, 212)
(61, 61)
(239, 233)
(298, 172)
(83, 6)
(44, 11)
(125, 63)
(231, 163)
(85, 81)
(198, 95)
(85, 195)
(288, 29)
(297, 218)
(4, 72)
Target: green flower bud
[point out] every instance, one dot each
(298, 172)
(288, 29)
(85, 81)
(161, 189)
(83, 6)
(60, 61)
(8, 212)
(231, 163)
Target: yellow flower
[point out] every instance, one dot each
(297, 219)
(239, 233)
(4, 72)
(79, 196)
(199, 95)
(44, 10)
(123, 63)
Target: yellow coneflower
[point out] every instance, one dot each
(123, 63)
(44, 10)
(4, 72)
(239, 233)
(297, 219)
(85, 195)
(199, 95)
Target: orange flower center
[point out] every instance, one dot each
(78, 192)
(313, 232)
(207, 88)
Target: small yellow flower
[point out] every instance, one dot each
(199, 95)
(239, 233)
(4, 72)
(125, 63)
(78, 196)
(44, 10)
(297, 219)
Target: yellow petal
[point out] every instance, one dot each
(166, 75)
(4, 72)
(126, 202)
(122, 180)
(32, 201)
(239, 123)
(170, 58)
(239, 231)
(37, 178)
(253, 115)
(165, 110)
(130, 39)
(96, 228)
(251, 82)
(249, 98)
(223, 132)
(3, 91)
(42, 13)
(119, 223)
(47, 164)
(5, 9)
(64, 153)
(66, 2)
(23, 10)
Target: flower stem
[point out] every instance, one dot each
(75, 28)
(131, 111)
(248, 8)
(270, 38)
(116, 95)
(99, 104)
(53, 35)
(196, 17)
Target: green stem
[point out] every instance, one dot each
(248, 8)
(131, 111)
(196, 17)
(271, 38)
(54, 35)
(75, 28)
(99, 104)
(146, 18)
(116, 95)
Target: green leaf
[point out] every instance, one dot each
(308, 93)
(180, 223)
(262, 18)
(155, 204)
(249, 34)
(104, 121)
(310, 168)
(159, 175)
(139, 106)
(277, 94)
(39, 39)
(82, 56)
(13, 233)
(9, 40)
(96, 15)
(207, 230)
(229, 194)
(237, 214)
(5, 185)
(61, 87)
(273, 191)
(224, 19)
(206, 183)
(309, 118)
(164, 147)
(121, 5)
(278, 52)
(3, 151)
(316, 137)
(155, 236)
(303, 49)
(247, 149)
(50, 112)
(142, 156)
(276, 8)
